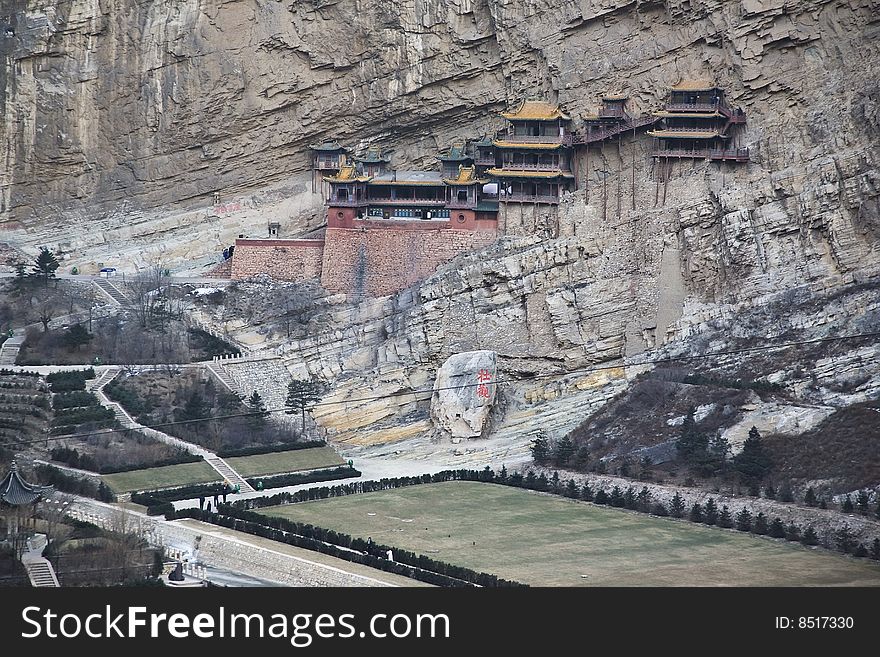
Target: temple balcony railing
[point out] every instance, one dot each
(345, 202)
(734, 154)
(406, 201)
(534, 139)
(691, 107)
(485, 160)
(612, 113)
(327, 164)
(461, 205)
(529, 198)
(530, 166)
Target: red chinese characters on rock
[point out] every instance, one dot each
(483, 377)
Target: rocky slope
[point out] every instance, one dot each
(122, 120)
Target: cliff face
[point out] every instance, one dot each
(122, 119)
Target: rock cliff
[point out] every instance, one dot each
(122, 120)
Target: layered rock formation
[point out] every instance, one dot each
(122, 121)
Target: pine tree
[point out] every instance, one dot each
(810, 537)
(862, 501)
(616, 498)
(823, 504)
(301, 395)
(629, 498)
(769, 492)
(753, 463)
(502, 476)
(861, 551)
(563, 452)
(45, 265)
(77, 336)
(531, 480)
(692, 445)
(554, 482)
(195, 408)
(676, 507)
(710, 512)
(540, 450)
(777, 529)
(847, 506)
(744, 520)
(571, 489)
(257, 409)
(582, 458)
(643, 500)
(760, 525)
(22, 278)
(792, 532)
(542, 483)
(587, 493)
(725, 520)
(601, 497)
(875, 549)
(696, 514)
(843, 537)
(659, 509)
(810, 497)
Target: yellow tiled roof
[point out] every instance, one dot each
(689, 115)
(534, 110)
(466, 176)
(346, 173)
(685, 134)
(512, 173)
(515, 144)
(695, 85)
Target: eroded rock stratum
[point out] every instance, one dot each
(121, 121)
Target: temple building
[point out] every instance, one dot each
(327, 158)
(612, 119)
(18, 506)
(373, 163)
(458, 197)
(453, 158)
(533, 157)
(698, 124)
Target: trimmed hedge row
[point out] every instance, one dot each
(74, 459)
(270, 449)
(66, 483)
(69, 380)
(343, 546)
(293, 478)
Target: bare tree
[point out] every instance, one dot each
(54, 510)
(46, 305)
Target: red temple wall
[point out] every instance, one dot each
(284, 260)
(381, 262)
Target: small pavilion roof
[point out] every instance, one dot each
(695, 85)
(527, 145)
(685, 134)
(456, 153)
(512, 173)
(15, 491)
(347, 173)
(466, 176)
(535, 110)
(329, 146)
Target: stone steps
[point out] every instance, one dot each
(116, 295)
(222, 376)
(10, 348)
(230, 475)
(41, 574)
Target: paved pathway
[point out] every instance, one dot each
(39, 569)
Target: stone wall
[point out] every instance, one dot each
(284, 260)
(381, 262)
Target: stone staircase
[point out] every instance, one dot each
(217, 370)
(116, 295)
(229, 474)
(10, 348)
(126, 421)
(39, 569)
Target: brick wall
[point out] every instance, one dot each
(380, 262)
(284, 260)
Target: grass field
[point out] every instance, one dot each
(281, 462)
(167, 476)
(544, 540)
